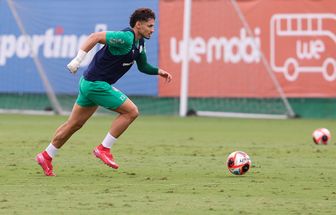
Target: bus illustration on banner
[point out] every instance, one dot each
(302, 43)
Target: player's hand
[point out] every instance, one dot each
(165, 75)
(73, 66)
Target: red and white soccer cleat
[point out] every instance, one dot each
(105, 155)
(44, 160)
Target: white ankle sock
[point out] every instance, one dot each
(109, 141)
(51, 150)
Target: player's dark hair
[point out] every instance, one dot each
(141, 14)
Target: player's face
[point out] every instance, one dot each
(146, 29)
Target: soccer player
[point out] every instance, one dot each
(121, 49)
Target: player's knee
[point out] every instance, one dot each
(134, 113)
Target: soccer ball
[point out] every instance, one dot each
(238, 163)
(321, 136)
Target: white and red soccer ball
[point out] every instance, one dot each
(238, 163)
(321, 136)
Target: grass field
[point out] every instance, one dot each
(169, 165)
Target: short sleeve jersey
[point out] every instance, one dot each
(116, 57)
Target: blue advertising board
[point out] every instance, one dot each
(50, 32)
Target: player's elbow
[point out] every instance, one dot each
(97, 37)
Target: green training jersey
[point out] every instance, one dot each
(117, 56)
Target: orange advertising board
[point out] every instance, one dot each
(293, 45)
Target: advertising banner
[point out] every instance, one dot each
(247, 52)
(52, 32)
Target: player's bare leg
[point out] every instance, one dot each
(128, 112)
(76, 120)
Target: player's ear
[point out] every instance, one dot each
(138, 24)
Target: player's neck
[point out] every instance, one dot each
(137, 35)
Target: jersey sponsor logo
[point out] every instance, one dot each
(117, 41)
(128, 64)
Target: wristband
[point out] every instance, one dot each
(81, 55)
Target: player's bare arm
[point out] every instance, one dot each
(92, 40)
(89, 43)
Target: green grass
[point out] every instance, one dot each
(169, 165)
